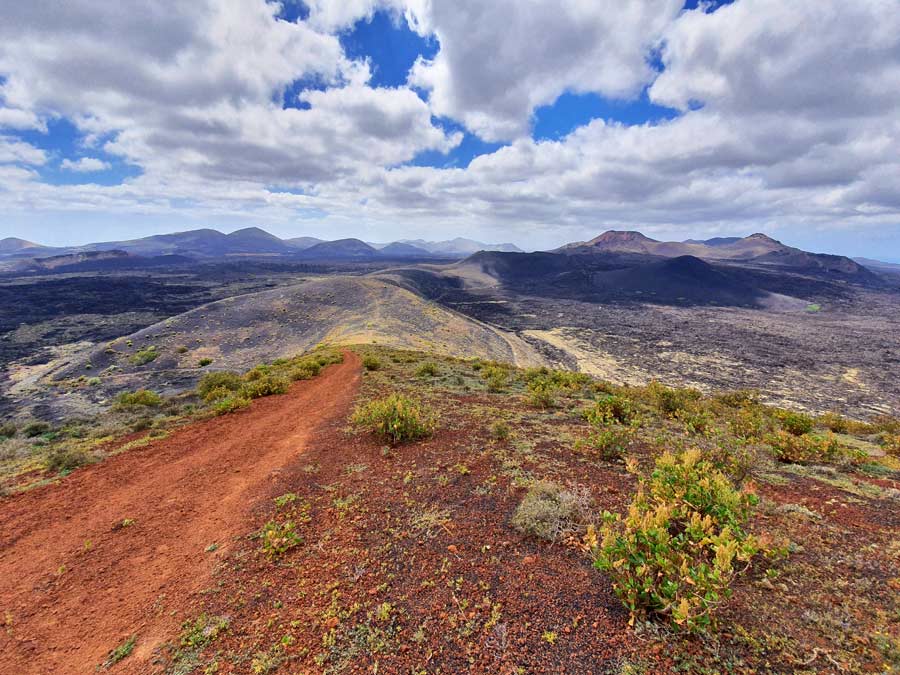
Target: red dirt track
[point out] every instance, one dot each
(74, 584)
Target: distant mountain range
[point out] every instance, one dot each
(252, 241)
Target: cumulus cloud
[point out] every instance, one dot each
(790, 114)
(84, 165)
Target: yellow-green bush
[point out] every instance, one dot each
(803, 449)
(141, 397)
(218, 382)
(610, 409)
(794, 422)
(496, 377)
(265, 385)
(395, 418)
(608, 443)
(541, 392)
(676, 552)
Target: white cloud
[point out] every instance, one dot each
(14, 150)
(85, 165)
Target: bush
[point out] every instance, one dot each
(139, 398)
(748, 424)
(428, 369)
(218, 382)
(500, 431)
(496, 377)
(550, 512)
(63, 460)
(609, 443)
(542, 393)
(669, 401)
(305, 370)
(886, 423)
(739, 398)
(677, 551)
(205, 362)
(610, 409)
(395, 418)
(35, 429)
(892, 445)
(7, 430)
(805, 449)
(371, 363)
(695, 419)
(279, 538)
(230, 404)
(794, 422)
(145, 356)
(267, 385)
(834, 422)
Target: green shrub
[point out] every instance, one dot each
(794, 422)
(120, 652)
(139, 398)
(891, 445)
(64, 460)
(677, 551)
(550, 512)
(886, 423)
(141, 424)
(608, 443)
(738, 398)
(230, 404)
(205, 362)
(669, 401)
(500, 431)
(542, 392)
(834, 422)
(428, 369)
(218, 382)
(35, 429)
(804, 449)
(396, 419)
(748, 424)
(182, 350)
(496, 378)
(145, 356)
(267, 385)
(371, 363)
(305, 370)
(610, 409)
(695, 419)
(279, 538)
(7, 430)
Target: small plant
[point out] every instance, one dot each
(428, 369)
(542, 393)
(203, 630)
(285, 499)
(681, 544)
(694, 419)
(204, 362)
(35, 429)
(7, 430)
(230, 404)
(137, 399)
(120, 652)
(551, 512)
(279, 538)
(609, 443)
(305, 370)
(396, 419)
(371, 363)
(65, 460)
(496, 378)
(610, 409)
(669, 401)
(804, 449)
(834, 422)
(213, 385)
(739, 398)
(267, 385)
(794, 423)
(182, 350)
(500, 431)
(145, 356)
(748, 424)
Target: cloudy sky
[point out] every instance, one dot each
(532, 121)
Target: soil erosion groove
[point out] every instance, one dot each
(74, 583)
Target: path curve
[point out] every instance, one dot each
(74, 584)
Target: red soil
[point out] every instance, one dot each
(74, 583)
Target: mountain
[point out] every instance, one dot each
(255, 240)
(756, 249)
(341, 249)
(401, 250)
(303, 242)
(16, 245)
(459, 247)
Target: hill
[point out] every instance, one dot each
(341, 249)
(14, 245)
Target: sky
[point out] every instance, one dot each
(530, 121)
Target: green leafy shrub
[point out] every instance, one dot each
(267, 385)
(695, 419)
(610, 409)
(748, 424)
(669, 401)
(205, 362)
(140, 398)
(396, 419)
(305, 370)
(496, 378)
(542, 392)
(145, 356)
(7, 430)
(738, 398)
(681, 544)
(500, 431)
(551, 512)
(64, 460)
(886, 423)
(804, 449)
(428, 369)
(218, 382)
(834, 422)
(794, 422)
(35, 429)
(279, 538)
(371, 363)
(230, 404)
(608, 443)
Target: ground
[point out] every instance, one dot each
(406, 560)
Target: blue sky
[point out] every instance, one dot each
(349, 120)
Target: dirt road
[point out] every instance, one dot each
(75, 583)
